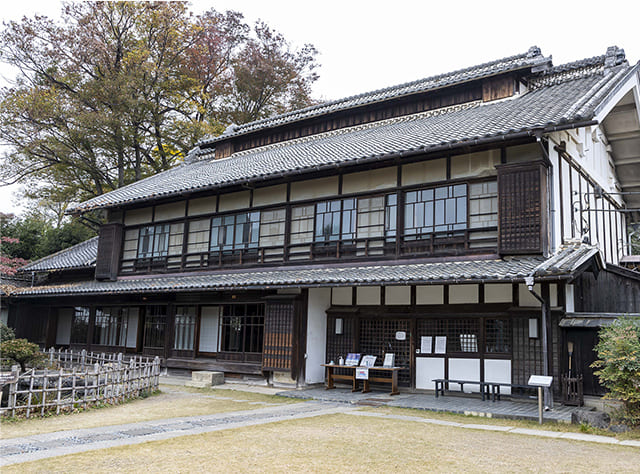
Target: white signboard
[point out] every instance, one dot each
(389, 359)
(368, 361)
(540, 380)
(425, 344)
(441, 345)
(401, 336)
(362, 373)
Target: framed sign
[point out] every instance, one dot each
(368, 361)
(441, 345)
(389, 360)
(362, 373)
(352, 359)
(425, 344)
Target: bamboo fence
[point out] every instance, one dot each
(83, 379)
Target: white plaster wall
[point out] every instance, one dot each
(498, 370)
(368, 295)
(319, 302)
(63, 330)
(424, 172)
(459, 294)
(427, 369)
(270, 195)
(232, 201)
(569, 295)
(433, 294)
(172, 210)
(342, 295)
(205, 205)
(314, 188)
(498, 293)
(397, 295)
(138, 216)
(383, 178)
(464, 369)
(526, 298)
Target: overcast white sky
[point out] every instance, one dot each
(369, 44)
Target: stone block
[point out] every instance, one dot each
(597, 419)
(205, 378)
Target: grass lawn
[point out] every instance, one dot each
(172, 402)
(529, 424)
(347, 443)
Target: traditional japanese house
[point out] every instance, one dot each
(484, 209)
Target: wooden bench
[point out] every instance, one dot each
(485, 390)
(495, 388)
(392, 378)
(488, 390)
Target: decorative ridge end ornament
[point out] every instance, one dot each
(615, 57)
(534, 51)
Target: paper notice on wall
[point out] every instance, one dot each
(441, 345)
(426, 342)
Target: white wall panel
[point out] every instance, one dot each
(319, 302)
(465, 369)
(427, 369)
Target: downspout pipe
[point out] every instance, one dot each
(530, 282)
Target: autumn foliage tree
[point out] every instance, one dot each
(116, 91)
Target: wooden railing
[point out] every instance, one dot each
(428, 245)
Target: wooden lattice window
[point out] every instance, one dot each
(497, 333)
(108, 256)
(378, 337)
(522, 190)
(278, 338)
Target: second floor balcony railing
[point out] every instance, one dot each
(446, 243)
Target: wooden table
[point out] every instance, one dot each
(391, 378)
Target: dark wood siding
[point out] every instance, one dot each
(108, 257)
(497, 88)
(522, 203)
(370, 113)
(615, 290)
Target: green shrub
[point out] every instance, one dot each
(6, 333)
(22, 352)
(618, 366)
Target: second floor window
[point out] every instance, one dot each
(335, 220)
(154, 241)
(442, 209)
(234, 232)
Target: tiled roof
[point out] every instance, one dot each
(81, 255)
(533, 57)
(493, 269)
(564, 97)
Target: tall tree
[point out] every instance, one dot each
(120, 90)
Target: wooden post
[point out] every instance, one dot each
(73, 388)
(59, 395)
(45, 381)
(84, 395)
(30, 395)
(13, 388)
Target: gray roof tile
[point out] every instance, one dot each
(495, 269)
(82, 255)
(531, 58)
(564, 97)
